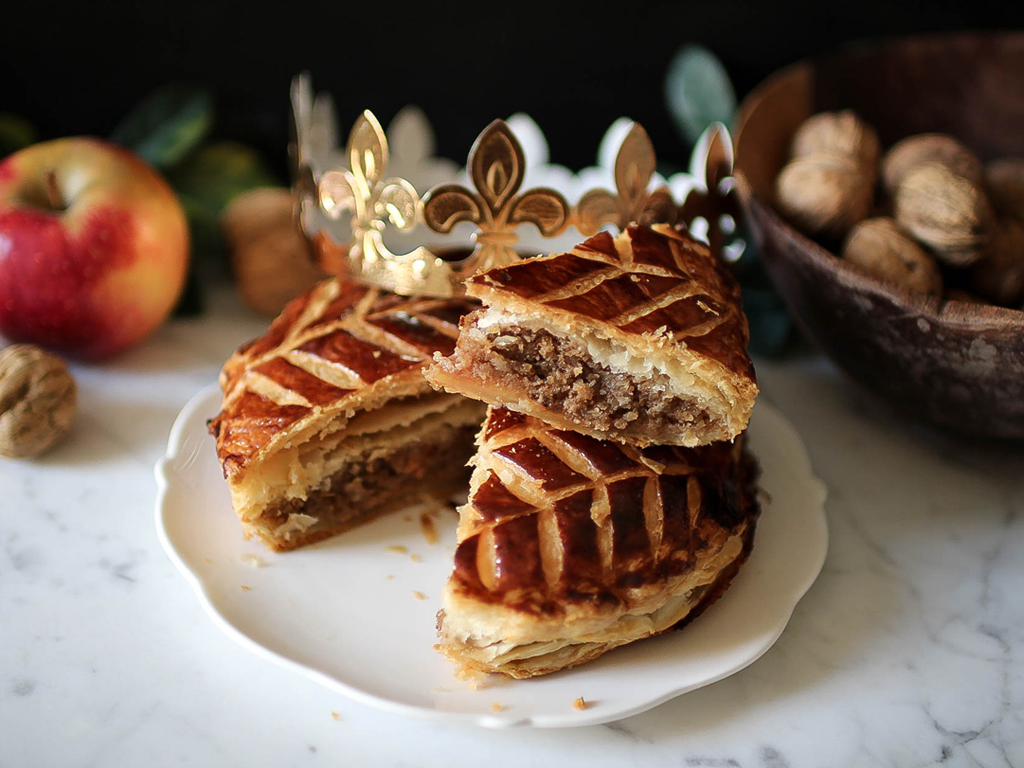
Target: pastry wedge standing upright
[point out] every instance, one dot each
(638, 338)
(327, 419)
(570, 546)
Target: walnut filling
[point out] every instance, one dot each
(367, 487)
(561, 375)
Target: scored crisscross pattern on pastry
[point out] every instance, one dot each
(330, 350)
(656, 281)
(556, 518)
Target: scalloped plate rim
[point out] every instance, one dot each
(200, 404)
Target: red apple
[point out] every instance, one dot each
(93, 247)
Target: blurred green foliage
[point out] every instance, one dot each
(698, 92)
(167, 125)
(15, 133)
(171, 129)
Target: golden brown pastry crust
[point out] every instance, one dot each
(336, 380)
(570, 546)
(652, 307)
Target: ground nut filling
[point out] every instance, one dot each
(560, 374)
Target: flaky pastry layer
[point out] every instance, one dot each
(570, 546)
(474, 644)
(639, 339)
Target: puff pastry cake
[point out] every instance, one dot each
(638, 338)
(327, 415)
(570, 546)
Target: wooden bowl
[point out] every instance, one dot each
(956, 364)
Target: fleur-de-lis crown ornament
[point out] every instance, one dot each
(634, 166)
(372, 203)
(497, 167)
(715, 196)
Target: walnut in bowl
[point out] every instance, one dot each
(955, 363)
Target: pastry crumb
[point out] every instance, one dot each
(469, 675)
(397, 548)
(441, 689)
(418, 595)
(254, 560)
(335, 715)
(429, 530)
(391, 576)
(580, 703)
(416, 558)
(243, 587)
(473, 677)
(376, 353)
(496, 707)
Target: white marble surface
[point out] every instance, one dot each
(909, 650)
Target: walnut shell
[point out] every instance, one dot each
(1004, 179)
(944, 212)
(271, 258)
(999, 273)
(256, 212)
(38, 399)
(966, 297)
(839, 133)
(929, 147)
(824, 194)
(882, 249)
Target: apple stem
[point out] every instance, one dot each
(53, 195)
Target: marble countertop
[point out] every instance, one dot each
(908, 651)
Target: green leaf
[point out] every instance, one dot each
(698, 91)
(190, 303)
(15, 133)
(205, 238)
(215, 174)
(206, 182)
(770, 324)
(168, 124)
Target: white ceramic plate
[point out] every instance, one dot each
(348, 612)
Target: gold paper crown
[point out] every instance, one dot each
(362, 191)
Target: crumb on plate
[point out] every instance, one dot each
(428, 527)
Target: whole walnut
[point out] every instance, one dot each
(38, 399)
(929, 147)
(945, 212)
(1004, 179)
(964, 297)
(882, 249)
(270, 256)
(999, 273)
(828, 185)
(824, 194)
(838, 133)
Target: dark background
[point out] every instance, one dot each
(76, 68)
